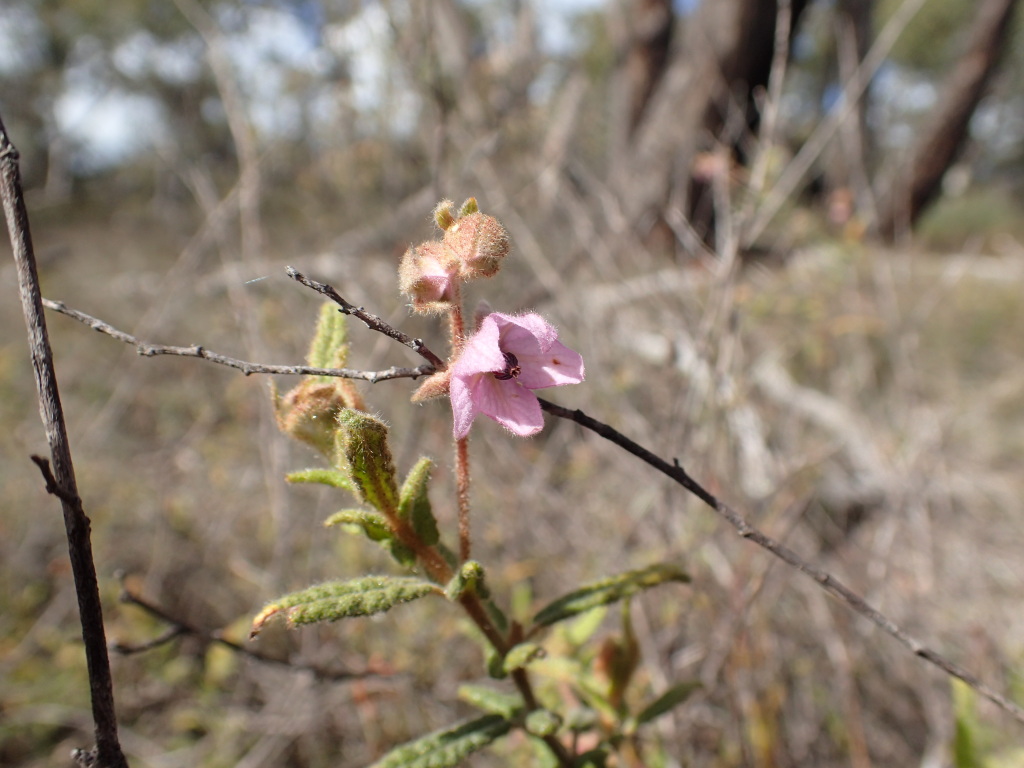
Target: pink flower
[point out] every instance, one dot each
(501, 363)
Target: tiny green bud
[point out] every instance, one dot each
(542, 722)
(444, 214)
(469, 579)
(468, 207)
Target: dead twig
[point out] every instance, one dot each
(61, 482)
(150, 350)
(372, 322)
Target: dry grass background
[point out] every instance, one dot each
(864, 406)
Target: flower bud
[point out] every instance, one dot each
(309, 412)
(426, 275)
(479, 242)
(433, 386)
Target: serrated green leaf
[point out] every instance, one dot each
(363, 441)
(608, 591)
(331, 477)
(447, 748)
(343, 599)
(494, 702)
(665, 703)
(521, 655)
(373, 524)
(414, 503)
(328, 348)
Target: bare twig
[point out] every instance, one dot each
(62, 482)
(150, 350)
(180, 628)
(824, 579)
(372, 322)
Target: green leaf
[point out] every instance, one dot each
(492, 701)
(447, 748)
(363, 441)
(328, 348)
(414, 504)
(521, 655)
(343, 599)
(376, 528)
(608, 591)
(665, 703)
(966, 752)
(373, 524)
(331, 477)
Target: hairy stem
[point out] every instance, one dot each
(462, 492)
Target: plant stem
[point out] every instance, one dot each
(462, 492)
(457, 328)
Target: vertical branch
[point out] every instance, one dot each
(62, 482)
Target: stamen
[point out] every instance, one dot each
(512, 368)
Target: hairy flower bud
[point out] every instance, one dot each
(426, 275)
(309, 412)
(479, 242)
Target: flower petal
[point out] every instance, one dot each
(511, 405)
(463, 408)
(559, 365)
(481, 354)
(524, 334)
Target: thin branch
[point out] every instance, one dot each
(372, 322)
(824, 579)
(180, 628)
(108, 753)
(150, 350)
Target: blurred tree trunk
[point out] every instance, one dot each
(847, 174)
(918, 181)
(723, 56)
(641, 33)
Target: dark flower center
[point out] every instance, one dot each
(512, 368)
